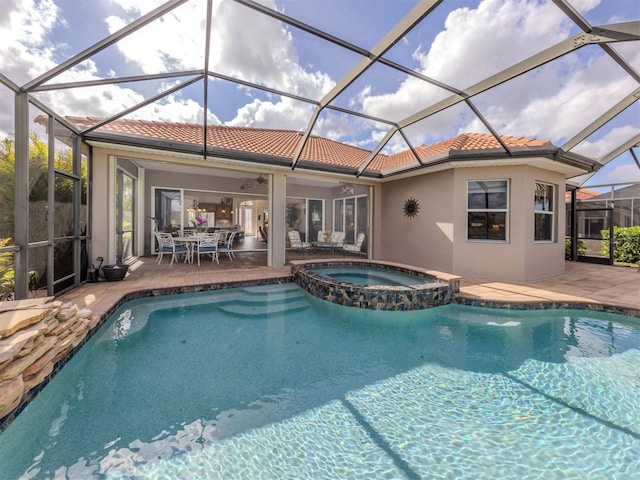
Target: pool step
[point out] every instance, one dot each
(277, 288)
(255, 309)
(259, 300)
(259, 294)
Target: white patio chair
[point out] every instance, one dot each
(166, 244)
(207, 244)
(226, 245)
(337, 238)
(356, 247)
(296, 242)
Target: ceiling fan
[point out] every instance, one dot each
(254, 183)
(347, 189)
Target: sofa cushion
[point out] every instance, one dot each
(336, 238)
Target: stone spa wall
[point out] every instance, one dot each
(35, 335)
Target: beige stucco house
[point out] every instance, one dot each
(465, 206)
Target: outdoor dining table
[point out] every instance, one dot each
(189, 242)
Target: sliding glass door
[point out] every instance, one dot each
(125, 208)
(350, 216)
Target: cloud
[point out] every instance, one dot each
(474, 44)
(30, 52)
(285, 114)
(607, 143)
(628, 172)
(26, 51)
(480, 42)
(477, 43)
(175, 108)
(262, 52)
(172, 43)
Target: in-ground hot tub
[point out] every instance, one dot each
(375, 285)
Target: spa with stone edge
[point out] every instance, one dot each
(376, 285)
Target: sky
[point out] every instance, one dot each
(460, 43)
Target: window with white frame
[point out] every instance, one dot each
(350, 216)
(487, 210)
(544, 212)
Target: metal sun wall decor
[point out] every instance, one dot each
(411, 207)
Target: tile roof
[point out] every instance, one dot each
(581, 194)
(283, 143)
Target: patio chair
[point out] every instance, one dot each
(167, 244)
(263, 234)
(296, 242)
(226, 245)
(356, 247)
(337, 238)
(207, 244)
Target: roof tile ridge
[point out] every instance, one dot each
(346, 144)
(522, 139)
(260, 129)
(459, 141)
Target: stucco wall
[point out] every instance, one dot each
(436, 237)
(520, 258)
(424, 240)
(100, 189)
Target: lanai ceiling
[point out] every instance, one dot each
(385, 75)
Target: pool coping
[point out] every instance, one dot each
(463, 299)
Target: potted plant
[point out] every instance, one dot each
(114, 272)
(199, 224)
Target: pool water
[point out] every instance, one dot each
(372, 275)
(269, 382)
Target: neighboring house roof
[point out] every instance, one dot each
(582, 194)
(620, 192)
(318, 152)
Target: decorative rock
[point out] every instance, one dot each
(40, 363)
(10, 395)
(24, 304)
(37, 378)
(10, 347)
(66, 314)
(5, 363)
(11, 322)
(16, 368)
(35, 335)
(52, 324)
(93, 322)
(30, 345)
(65, 325)
(64, 348)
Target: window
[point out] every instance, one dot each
(487, 208)
(543, 212)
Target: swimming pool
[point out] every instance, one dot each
(271, 382)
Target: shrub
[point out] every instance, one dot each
(582, 247)
(626, 244)
(7, 274)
